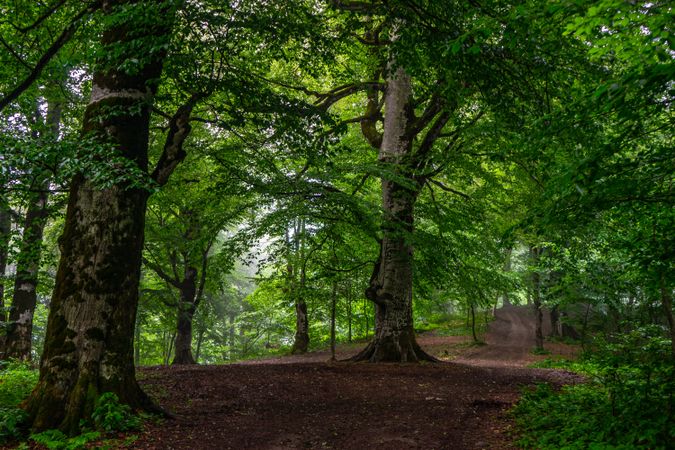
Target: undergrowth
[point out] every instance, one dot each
(627, 402)
(17, 380)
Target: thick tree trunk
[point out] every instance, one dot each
(19, 328)
(186, 312)
(89, 339)
(391, 285)
(183, 344)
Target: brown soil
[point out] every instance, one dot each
(307, 402)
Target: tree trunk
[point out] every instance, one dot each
(391, 284)
(301, 341)
(186, 312)
(5, 230)
(200, 340)
(536, 297)
(667, 303)
(89, 339)
(349, 311)
(232, 337)
(333, 307)
(19, 330)
(473, 322)
(137, 344)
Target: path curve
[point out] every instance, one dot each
(510, 339)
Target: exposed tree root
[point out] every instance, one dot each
(388, 351)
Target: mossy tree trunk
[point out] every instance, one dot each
(89, 338)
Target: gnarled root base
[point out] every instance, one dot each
(390, 351)
(49, 408)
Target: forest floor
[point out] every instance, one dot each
(306, 401)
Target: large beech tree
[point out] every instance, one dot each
(88, 344)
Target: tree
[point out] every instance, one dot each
(17, 341)
(88, 346)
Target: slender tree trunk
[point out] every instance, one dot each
(391, 284)
(473, 322)
(507, 268)
(366, 314)
(89, 339)
(333, 307)
(200, 340)
(301, 341)
(667, 303)
(536, 296)
(186, 312)
(137, 344)
(232, 337)
(19, 329)
(349, 311)
(5, 230)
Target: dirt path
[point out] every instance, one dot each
(510, 340)
(305, 402)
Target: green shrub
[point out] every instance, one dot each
(56, 440)
(626, 403)
(111, 415)
(17, 379)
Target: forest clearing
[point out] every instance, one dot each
(205, 204)
(309, 402)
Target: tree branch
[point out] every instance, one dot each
(65, 36)
(448, 189)
(179, 130)
(160, 272)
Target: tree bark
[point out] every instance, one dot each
(301, 340)
(333, 307)
(186, 312)
(667, 304)
(19, 330)
(536, 297)
(391, 284)
(89, 339)
(5, 230)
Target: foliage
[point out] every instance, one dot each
(110, 415)
(17, 380)
(56, 440)
(627, 401)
